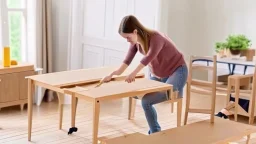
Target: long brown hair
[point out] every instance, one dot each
(130, 23)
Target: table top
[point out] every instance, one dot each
(22, 66)
(119, 89)
(202, 132)
(239, 61)
(72, 77)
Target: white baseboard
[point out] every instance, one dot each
(67, 99)
(39, 94)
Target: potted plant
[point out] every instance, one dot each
(220, 48)
(236, 44)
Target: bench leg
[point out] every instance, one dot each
(132, 105)
(179, 112)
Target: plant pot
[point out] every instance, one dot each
(249, 54)
(235, 52)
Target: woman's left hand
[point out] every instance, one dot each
(130, 78)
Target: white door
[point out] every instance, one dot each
(95, 41)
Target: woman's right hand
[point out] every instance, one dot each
(107, 78)
(116, 72)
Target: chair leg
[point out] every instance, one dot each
(228, 92)
(252, 107)
(237, 91)
(251, 119)
(251, 112)
(187, 105)
(132, 106)
(179, 112)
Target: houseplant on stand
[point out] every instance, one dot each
(236, 44)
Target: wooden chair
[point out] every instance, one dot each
(201, 86)
(236, 81)
(174, 99)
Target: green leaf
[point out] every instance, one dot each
(235, 42)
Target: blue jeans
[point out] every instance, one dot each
(178, 79)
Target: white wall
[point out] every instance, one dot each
(60, 19)
(196, 25)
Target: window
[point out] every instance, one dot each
(13, 19)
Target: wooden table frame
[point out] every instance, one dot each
(59, 80)
(91, 96)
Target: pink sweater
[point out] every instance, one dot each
(163, 57)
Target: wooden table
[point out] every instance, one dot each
(232, 63)
(110, 91)
(59, 80)
(221, 131)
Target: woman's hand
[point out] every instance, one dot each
(130, 78)
(107, 78)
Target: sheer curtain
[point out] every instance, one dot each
(40, 40)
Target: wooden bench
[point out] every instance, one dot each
(221, 131)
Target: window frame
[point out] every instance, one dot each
(4, 30)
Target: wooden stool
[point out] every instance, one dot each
(237, 81)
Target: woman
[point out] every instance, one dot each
(166, 64)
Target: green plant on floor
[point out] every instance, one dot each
(235, 43)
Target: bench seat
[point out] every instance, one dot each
(221, 131)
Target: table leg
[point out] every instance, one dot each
(74, 107)
(233, 69)
(96, 113)
(31, 89)
(73, 114)
(245, 68)
(229, 67)
(132, 105)
(61, 101)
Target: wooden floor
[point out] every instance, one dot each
(113, 119)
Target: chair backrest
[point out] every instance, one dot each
(204, 65)
(204, 87)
